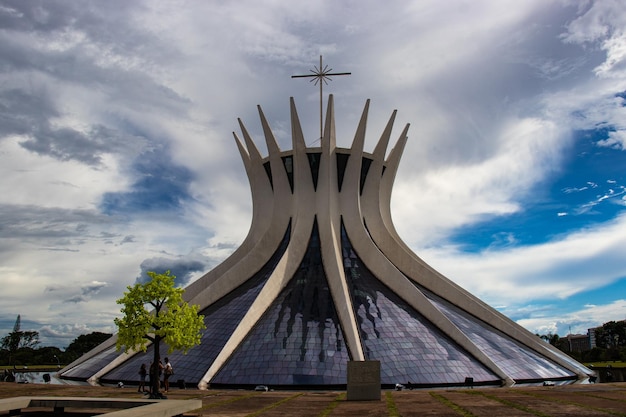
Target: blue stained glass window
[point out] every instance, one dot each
(299, 339)
(221, 319)
(519, 362)
(91, 366)
(408, 346)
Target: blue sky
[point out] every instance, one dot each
(116, 123)
(588, 188)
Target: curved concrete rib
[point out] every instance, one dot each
(290, 197)
(367, 218)
(266, 238)
(379, 264)
(378, 219)
(261, 213)
(330, 237)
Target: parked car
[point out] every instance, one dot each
(261, 388)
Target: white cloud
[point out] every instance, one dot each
(493, 90)
(456, 195)
(568, 265)
(47, 182)
(615, 140)
(576, 322)
(603, 23)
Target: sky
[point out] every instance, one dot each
(117, 152)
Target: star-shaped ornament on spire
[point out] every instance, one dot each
(321, 75)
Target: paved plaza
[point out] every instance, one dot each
(571, 400)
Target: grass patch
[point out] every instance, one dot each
(274, 405)
(391, 405)
(508, 403)
(31, 368)
(621, 400)
(585, 406)
(616, 364)
(333, 405)
(457, 408)
(230, 400)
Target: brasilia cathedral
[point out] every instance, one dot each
(323, 278)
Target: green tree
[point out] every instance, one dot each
(553, 339)
(593, 355)
(46, 355)
(169, 319)
(611, 335)
(83, 344)
(18, 339)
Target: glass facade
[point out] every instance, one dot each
(314, 164)
(408, 346)
(342, 163)
(365, 167)
(519, 362)
(268, 171)
(288, 164)
(91, 366)
(299, 340)
(221, 319)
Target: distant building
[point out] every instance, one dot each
(592, 337)
(576, 342)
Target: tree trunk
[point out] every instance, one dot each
(155, 369)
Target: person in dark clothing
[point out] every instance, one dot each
(142, 378)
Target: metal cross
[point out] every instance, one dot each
(321, 75)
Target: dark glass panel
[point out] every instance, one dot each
(314, 164)
(518, 361)
(409, 347)
(268, 171)
(342, 162)
(221, 319)
(298, 340)
(365, 167)
(91, 366)
(288, 164)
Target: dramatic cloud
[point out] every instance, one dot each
(116, 123)
(182, 269)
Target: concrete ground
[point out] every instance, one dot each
(570, 400)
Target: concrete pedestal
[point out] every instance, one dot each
(363, 381)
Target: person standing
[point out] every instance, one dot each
(167, 372)
(142, 378)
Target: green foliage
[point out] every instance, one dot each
(11, 341)
(391, 405)
(611, 335)
(612, 364)
(27, 356)
(83, 344)
(18, 339)
(551, 338)
(169, 317)
(610, 343)
(593, 355)
(40, 356)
